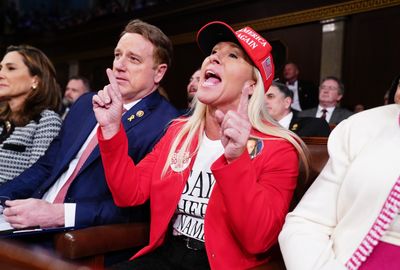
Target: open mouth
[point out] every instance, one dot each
(211, 78)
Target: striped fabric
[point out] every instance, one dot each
(389, 211)
(26, 144)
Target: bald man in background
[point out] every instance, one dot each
(77, 86)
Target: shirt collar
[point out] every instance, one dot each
(328, 109)
(285, 121)
(129, 105)
(294, 84)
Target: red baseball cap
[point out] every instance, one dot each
(256, 47)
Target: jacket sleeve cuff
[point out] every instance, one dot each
(69, 214)
(222, 167)
(111, 144)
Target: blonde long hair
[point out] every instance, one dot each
(194, 126)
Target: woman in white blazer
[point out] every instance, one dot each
(348, 219)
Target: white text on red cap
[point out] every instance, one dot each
(250, 37)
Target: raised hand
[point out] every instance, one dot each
(108, 106)
(33, 212)
(235, 127)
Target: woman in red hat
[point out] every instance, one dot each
(212, 204)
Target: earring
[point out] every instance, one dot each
(34, 87)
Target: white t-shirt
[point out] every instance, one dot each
(191, 209)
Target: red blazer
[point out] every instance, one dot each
(246, 209)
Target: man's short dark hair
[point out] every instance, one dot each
(84, 80)
(163, 48)
(283, 89)
(292, 63)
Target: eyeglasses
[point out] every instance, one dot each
(330, 88)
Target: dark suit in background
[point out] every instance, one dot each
(309, 127)
(308, 94)
(144, 123)
(338, 115)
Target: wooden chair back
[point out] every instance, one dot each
(17, 257)
(317, 147)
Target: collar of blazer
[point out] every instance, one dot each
(141, 110)
(131, 118)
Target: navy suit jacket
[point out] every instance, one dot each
(144, 123)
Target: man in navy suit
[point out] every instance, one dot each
(331, 92)
(141, 59)
(278, 100)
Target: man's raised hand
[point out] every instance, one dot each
(108, 106)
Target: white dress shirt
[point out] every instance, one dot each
(329, 112)
(296, 101)
(285, 121)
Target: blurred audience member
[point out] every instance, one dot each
(49, 18)
(77, 86)
(393, 94)
(386, 98)
(397, 95)
(192, 87)
(358, 108)
(305, 94)
(278, 102)
(331, 92)
(29, 95)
